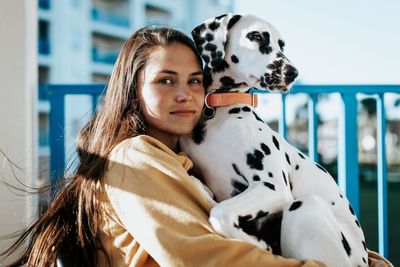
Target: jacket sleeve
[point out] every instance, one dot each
(159, 205)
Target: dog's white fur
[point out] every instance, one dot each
(317, 220)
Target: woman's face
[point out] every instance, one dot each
(171, 92)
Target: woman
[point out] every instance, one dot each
(132, 201)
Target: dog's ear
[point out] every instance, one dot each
(211, 37)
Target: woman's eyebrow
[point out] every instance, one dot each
(175, 73)
(196, 73)
(168, 71)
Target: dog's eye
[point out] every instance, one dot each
(254, 36)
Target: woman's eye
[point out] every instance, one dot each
(195, 81)
(165, 81)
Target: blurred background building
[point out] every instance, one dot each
(79, 41)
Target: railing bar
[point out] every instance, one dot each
(348, 173)
(382, 177)
(56, 129)
(282, 118)
(312, 127)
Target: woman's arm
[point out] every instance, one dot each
(160, 206)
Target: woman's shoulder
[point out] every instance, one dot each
(144, 149)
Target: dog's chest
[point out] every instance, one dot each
(237, 151)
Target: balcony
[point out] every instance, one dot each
(103, 56)
(44, 4)
(109, 17)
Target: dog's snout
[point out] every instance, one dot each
(291, 73)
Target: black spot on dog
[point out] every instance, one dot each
(220, 16)
(265, 47)
(264, 226)
(269, 185)
(234, 111)
(246, 109)
(297, 167)
(346, 245)
(358, 224)
(270, 174)
(351, 209)
(233, 21)
(287, 158)
(238, 187)
(226, 80)
(262, 39)
(234, 59)
(260, 129)
(257, 118)
(210, 47)
(275, 141)
(301, 156)
(242, 220)
(363, 259)
(239, 118)
(256, 178)
(341, 196)
(364, 245)
(199, 29)
(255, 160)
(206, 58)
(220, 67)
(295, 205)
(199, 41)
(291, 186)
(333, 203)
(199, 132)
(281, 44)
(265, 149)
(207, 79)
(321, 168)
(238, 172)
(214, 25)
(284, 177)
(209, 37)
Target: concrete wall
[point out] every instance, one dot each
(18, 111)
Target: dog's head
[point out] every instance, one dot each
(242, 52)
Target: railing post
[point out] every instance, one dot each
(312, 127)
(56, 128)
(348, 174)
(282, 119)
(382, 177)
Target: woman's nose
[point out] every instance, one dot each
(184, 94)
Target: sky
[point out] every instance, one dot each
(335, 42)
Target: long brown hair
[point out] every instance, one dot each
(70, 224)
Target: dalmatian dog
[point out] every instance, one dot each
(268, 192)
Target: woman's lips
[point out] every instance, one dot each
(183, 112)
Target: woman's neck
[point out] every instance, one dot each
(167, 139)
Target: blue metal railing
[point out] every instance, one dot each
(347, 137)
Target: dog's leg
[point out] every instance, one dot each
(228, 216)
(310, 230)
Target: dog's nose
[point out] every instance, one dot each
(291, 73)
